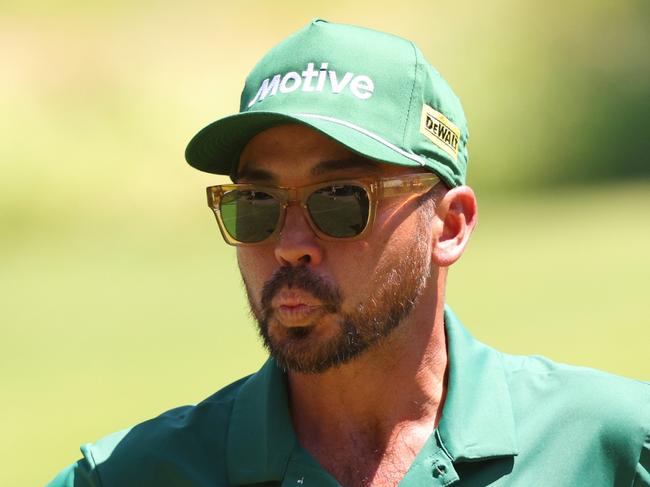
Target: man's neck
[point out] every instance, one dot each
(382, 404)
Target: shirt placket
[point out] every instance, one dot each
(433, 467)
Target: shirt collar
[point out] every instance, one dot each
(260, 436)
(477, 420)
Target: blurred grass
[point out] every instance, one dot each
(114, 323)
(118, 298)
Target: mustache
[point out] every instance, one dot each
(300, 278)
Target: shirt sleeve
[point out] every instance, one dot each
(79, 474)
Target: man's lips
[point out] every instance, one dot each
(294, 297)
(295, 307)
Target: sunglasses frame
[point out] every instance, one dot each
(376, 188)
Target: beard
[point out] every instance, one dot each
(396, 288)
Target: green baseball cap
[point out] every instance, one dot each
(370, 91)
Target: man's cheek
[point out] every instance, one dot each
(251, 274)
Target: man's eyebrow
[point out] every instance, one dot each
(252, 174)
(353, 162)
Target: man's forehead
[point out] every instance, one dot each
(295, 151)
(354, 164)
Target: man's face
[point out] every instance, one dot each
(321, 303)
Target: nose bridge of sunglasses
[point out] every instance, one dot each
(292, 196)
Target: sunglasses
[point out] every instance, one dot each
(250, 214)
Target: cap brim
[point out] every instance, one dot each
(216, 148)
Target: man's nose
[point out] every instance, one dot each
(298, 244)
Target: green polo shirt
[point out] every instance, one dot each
(507, 420)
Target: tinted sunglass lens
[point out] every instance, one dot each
(249, 216)
(339, 211)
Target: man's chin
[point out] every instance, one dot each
(311, 349)
(297, 349)
(300, 332)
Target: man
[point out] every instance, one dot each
(349, 157)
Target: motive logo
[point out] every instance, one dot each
(440, 130)
(311, 80)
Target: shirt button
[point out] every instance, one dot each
(439, 470)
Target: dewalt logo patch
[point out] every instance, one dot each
(440, 130)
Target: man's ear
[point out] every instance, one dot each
(456, 215)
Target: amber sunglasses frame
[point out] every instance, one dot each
(376, 188)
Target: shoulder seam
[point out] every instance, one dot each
(88, 454)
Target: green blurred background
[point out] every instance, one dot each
(118, 298)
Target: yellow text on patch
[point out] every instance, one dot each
(440, 130)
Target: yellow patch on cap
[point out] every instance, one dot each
(440, 130)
